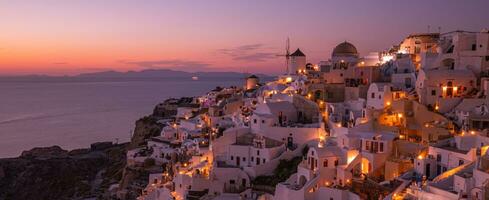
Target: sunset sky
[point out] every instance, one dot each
(61, 37)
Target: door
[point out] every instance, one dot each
(290, 142)
(427, 170)
(238, 161)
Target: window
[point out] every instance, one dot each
(325, 163)
(262, 121)
(460, 162)
(433, 92)
(244, 159)
(380, 96)
(341, 75)
(231, 181)
(372, 95)
(381, 147)
(258, 152)
(252, 158)
(474, 47)
(312, 153)
(254, 121)
(438, 157)
(264, 160)
(232, 157)
(336, 163)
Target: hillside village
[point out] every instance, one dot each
(409, 122)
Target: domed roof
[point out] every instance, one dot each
(345, 49)
(253, 76)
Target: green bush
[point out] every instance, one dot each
(284, 170)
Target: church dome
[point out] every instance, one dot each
(345, 49)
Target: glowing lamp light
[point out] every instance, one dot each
(472, 132)
(288, 79)
(444, 88)
(399, 115)
(388, 103)
(420, 157)
(338, 125)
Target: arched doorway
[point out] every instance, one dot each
(366, 166)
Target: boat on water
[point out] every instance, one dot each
(195, 78)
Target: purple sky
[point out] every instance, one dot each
(76, 36)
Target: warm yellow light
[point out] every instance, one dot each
(338, 125)
(484, 150)
(401, 136)
(444, 88)
(363, 63)
(288, 79)
(420, 157)
(455, 89)
(388, 103)
(399, 115)
(463, 133)
(472, 132)
(347, 180)
(437, 107)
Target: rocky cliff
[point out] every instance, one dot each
(54, 173)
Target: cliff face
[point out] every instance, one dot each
(146, 128)
(135, 179)
(54, 173)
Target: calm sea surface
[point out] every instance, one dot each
(75, 113)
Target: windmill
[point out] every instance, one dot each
(286, 55)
